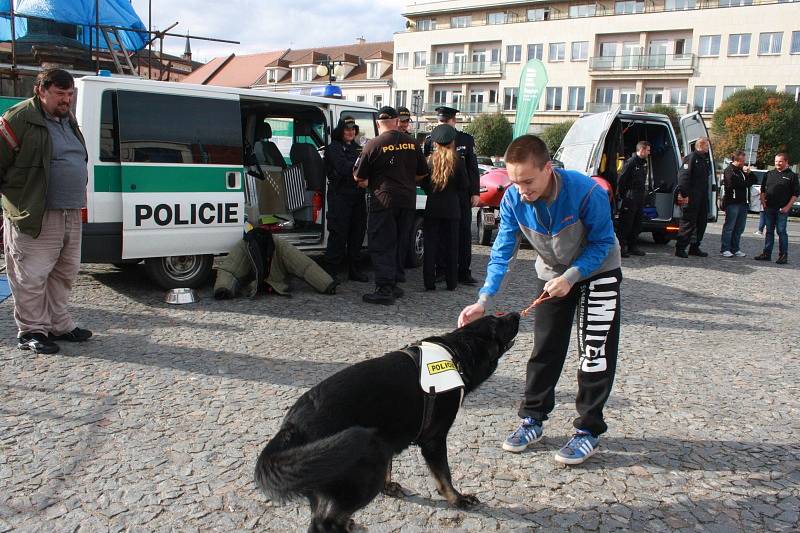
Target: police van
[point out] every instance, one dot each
(598, 143)
(176, 170)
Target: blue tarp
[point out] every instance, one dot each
(81, 12)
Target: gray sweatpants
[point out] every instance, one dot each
(41, 271)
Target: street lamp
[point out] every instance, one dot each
(332, 69)
(416, 108)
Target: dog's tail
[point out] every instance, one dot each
(284, 471)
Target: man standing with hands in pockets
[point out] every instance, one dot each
(566, 216)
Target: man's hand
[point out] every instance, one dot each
(558, 287)
(683, 200)
(785, 209)
(362, 184)
(474, 200)
(470, 313)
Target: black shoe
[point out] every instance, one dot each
(467, 279)
(680, 252)
(37, 343)
(763, 256)
(76, 335)
(382, 296)
(782, 259)
(397, 292)
(623, 251)
(696, 251)
(636, 252)
(357, 275)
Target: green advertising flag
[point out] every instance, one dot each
(532, 82)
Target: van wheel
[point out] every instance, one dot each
(484, 233)
(179, 271)
(417, 244)
(660, 237)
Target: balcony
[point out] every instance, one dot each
(481, 69)
(636, 65)
(599, 107)
(471, 108)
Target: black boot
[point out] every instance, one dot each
(357, 275)
(681, 252)
(635, 251)
(696, 251)
(623, 250)
(382, 295)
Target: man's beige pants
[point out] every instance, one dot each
(41, 271)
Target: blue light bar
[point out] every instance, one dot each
(327, 91)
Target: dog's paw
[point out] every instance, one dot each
(464, 501)
(393, 489)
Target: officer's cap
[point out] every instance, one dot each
(387, 112)
(446, 113)
(443, 134)
(349, 123)
(404, 113)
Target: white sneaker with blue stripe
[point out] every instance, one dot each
(580, 447)
(528, 432)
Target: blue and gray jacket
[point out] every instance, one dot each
(573, 234)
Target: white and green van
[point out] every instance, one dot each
(168, 170)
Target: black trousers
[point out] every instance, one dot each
(441, 248)
(389, 233)
(630, 221)
(596, 303)
(693, 224)
(347, 223)
(465, 238)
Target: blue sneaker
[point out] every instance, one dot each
(580, 447)
(528, 432)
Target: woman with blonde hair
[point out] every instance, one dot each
(448, 176)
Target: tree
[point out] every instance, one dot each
(553, 134)
(492, 133)
(772, 115)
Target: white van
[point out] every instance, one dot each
(168, 170)
(597, 144)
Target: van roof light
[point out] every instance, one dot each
(104, 73)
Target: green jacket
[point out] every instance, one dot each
(25, 172)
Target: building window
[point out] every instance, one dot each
(373, 71)
(679, 5)
(463, 21)
(729, 90)
(496, 18)
(735, 3)
(401, 60)
(739, 44)
(608, 49)
(704, 99)
(301, 74)
(555, 52)
(377, 100)
(770, 88)
(440, 96)
(426, 24)
(770, 43)
(535, 51)
(678, 96)
(654, 95)
(709, 46)
(417, 101)
(513, 53)
(510, 99)
(580, 50)
(582, 10)
(627, 7)
(495, 55)
(575, 98)
(420, 59)
(538, 14)
(604, 95)
(794, 90)
(795, 48)
(360, 98)
(553, 99)
(683, 46)
(400, 98)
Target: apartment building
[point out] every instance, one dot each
(690, 54)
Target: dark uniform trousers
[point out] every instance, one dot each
(630, 220)
(347, 223)
(441, 237)
(693, 224)
(389, 234)
(596, 302)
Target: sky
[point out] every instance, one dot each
(264, 25)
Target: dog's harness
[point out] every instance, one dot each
(439, 372)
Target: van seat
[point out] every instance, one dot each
(306, 154)
(267, 152)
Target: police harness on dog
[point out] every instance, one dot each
(439, 372)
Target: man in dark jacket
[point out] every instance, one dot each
(693, 180)
(735, 202)
(632, 187)
(778, 192)
(43, 178)
(465, 146)
(347, 209)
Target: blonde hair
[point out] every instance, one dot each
(442, 163)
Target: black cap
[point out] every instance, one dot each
(404, 113)
(446, 113)
(387, 112)
(349, 122)
(443, 134)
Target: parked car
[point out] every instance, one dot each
(597, 144)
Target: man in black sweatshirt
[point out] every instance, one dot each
(693, 188)
(632, 188)
(778, 192)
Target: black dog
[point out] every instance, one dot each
(336, 444)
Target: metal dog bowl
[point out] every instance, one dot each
(181, 296)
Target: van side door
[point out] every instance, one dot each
(181, 177)
(693, 128)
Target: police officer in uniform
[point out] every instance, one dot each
(404, 120)
(465, 146)
(632, 187)
(347, 210)
(693, 195)
(389, 167)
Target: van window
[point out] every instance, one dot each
(165, 128)
(109, 134)
(365, 120)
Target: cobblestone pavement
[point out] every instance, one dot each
(155, 424)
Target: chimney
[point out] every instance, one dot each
(187, 52)
(360, 40)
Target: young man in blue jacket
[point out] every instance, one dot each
(566, 216)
